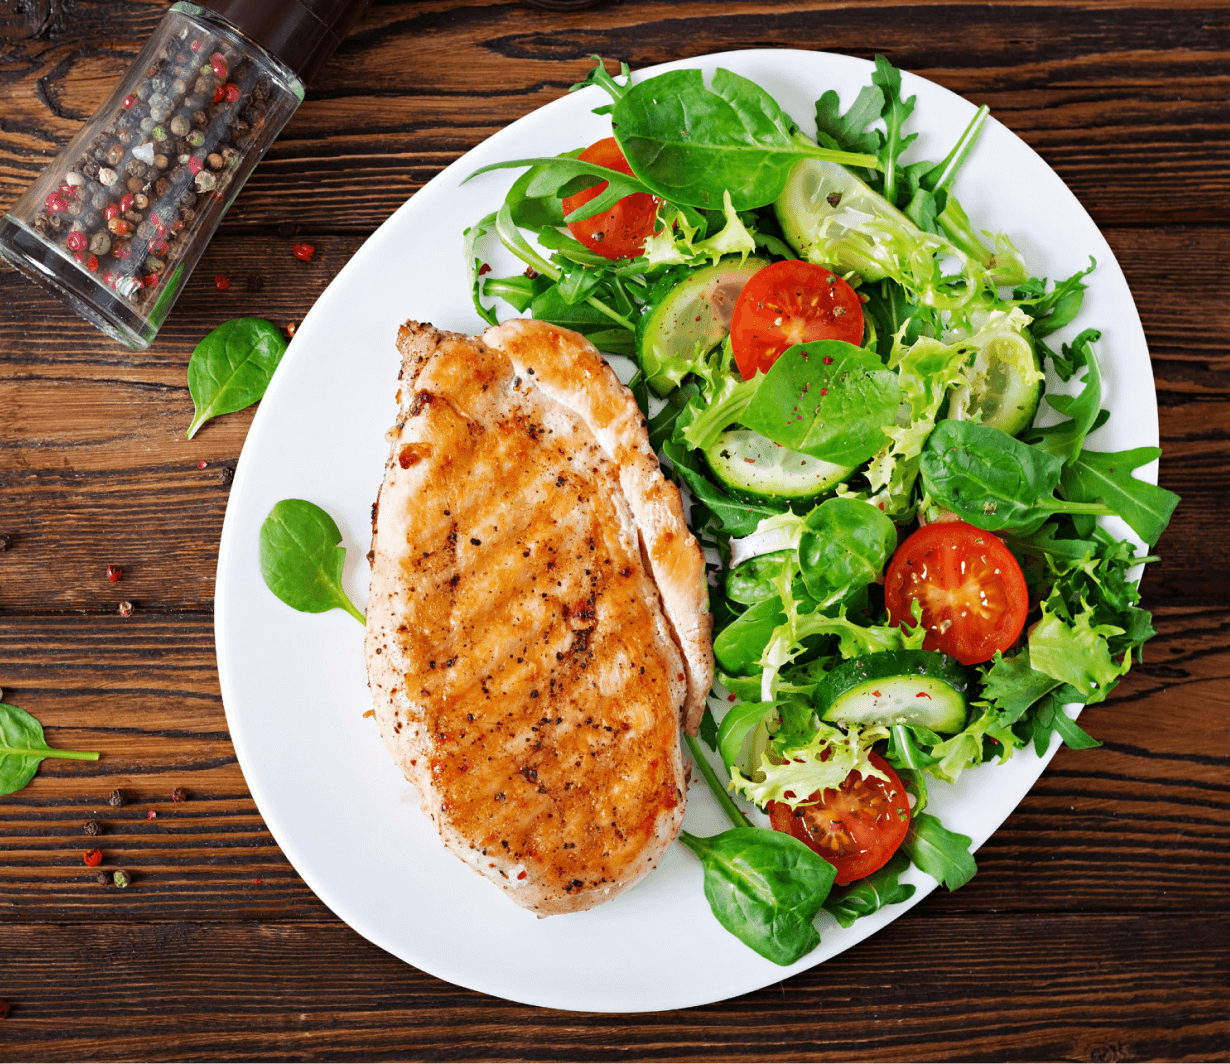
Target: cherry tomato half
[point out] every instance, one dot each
(788, 303)
(856, 827)
(620, 232)
(970, 588)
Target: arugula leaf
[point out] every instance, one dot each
(599, 76)
(300, 560)
(1052, 311)
(939, 852)
(474, 266)
(872, 893)
(765, 888)
(1083, 410)
(23, 748)
(1012, 684)
(895, 111)
(1106, 477)
(691, 143)
(849, 131)
(231, 368)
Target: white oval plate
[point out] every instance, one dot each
(294, 685)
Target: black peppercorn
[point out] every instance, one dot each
(117, 797)
(92, 827)
(103, 878)
(6, 541)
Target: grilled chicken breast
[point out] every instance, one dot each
(537, 625)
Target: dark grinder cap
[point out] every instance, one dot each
(301, 33)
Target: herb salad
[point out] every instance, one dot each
(909, 578)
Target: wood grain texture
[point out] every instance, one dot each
(187, 991)
(1096, 928)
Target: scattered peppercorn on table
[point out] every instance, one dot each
(147, 913)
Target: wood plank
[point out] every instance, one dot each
(1127, 101)
(1141, 825)
(1047, 986)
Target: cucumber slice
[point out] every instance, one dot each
(691, 321)
(820, 193)
(752, 466)
(897, 687)
(1003, 386)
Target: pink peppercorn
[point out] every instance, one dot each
(222, 282)
(303, 251)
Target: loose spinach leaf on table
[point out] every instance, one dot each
(23, 748)
(301, 561)
(231, 368)
(765, 888)
(691, 142)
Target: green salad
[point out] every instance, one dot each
(908, 575)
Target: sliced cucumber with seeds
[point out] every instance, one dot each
(690, 321)
(752, 466)
(1003, 386)
(897, 687)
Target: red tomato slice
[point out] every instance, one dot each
(788, 303)
(857, 827)
(620, 232)
(970, 588)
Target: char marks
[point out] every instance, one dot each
(528, 680)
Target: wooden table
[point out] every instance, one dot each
(1097, 926)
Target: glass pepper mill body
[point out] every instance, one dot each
(116, 224)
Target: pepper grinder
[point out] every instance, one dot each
(116, 224)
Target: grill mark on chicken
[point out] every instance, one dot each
(528, 682)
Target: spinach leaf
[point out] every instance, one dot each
(231, 368)
(740, 721)
(751, 581)
(23, 748)
(868, 895)
(844, 546)
(301, 561)
(690, 142)
(939, 852)
(994, 481)
(828, 399)
(740, 644)
(765, 888)
(1106, 477)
